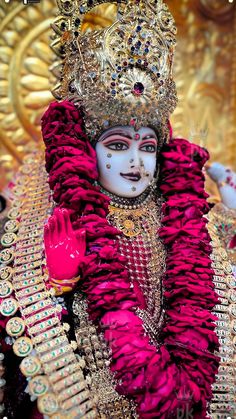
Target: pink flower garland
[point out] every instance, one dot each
(179, 374)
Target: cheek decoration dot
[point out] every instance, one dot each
(109, 155)
(108, 166)
(133, 189)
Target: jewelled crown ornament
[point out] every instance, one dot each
(121, 75)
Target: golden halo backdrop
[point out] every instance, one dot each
(205, 67)
(25, 78)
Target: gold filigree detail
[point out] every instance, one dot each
(128, 221)
(122, 73)
(145, 255)
(97, 354)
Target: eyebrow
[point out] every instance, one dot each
(149, 137)
(127, 135)
(124, 134)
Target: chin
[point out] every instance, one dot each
(124, 193)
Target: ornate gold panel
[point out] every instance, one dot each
(205, 67)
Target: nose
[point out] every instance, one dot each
(134, 160)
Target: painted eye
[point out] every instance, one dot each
(148, 148)
(117, 146)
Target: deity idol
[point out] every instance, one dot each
(118, 256)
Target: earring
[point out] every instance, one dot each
(153, 184)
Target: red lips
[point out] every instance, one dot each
(133, 176)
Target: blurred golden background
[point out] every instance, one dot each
(205, 73)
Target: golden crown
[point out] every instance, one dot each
(122, 74)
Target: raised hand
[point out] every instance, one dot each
(63, 249)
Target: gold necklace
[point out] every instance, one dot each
(128, 221)
(145, 254)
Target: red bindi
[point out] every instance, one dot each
(137, 137)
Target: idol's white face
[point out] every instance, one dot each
(126, 160)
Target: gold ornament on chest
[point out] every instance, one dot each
(133, 222)
(129, 222)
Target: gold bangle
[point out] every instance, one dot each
(56, 353)
(59, 363)
(77, 400)
(26, 292)
(51, 311)
(26, 228)
(27, 283)
(28, 266)
(28, 274)
(42, 304)
(64, 372)
(72, 391)
(51, 344)
(68, 381)
(43, 326)
(50, 334)
(62, 286)
(33, 213)
(28, 251)
(65, 282)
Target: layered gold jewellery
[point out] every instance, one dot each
(110, 404)
(53, 370)
(121, 75)
(225, 284)
(145, 253)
